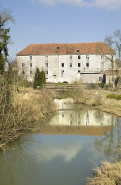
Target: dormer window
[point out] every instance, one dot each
(58, 47)
(77, 51)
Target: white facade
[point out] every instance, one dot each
(60, 68)
(64, 64)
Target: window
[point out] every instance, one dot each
(79, 122)
(46, 64)
(87, 57)
(102, 56)
(30, 64)
(70, 122)
(87, 115)
(23, 72)
(62, 64)
(46, 57)
(70, 57)
(30, 57)
(70, 64)
(23, 64)
(102, 123)
(78, 71)
(57, 47)
(79, 64)
(100, 79)
(62, 114)
(79, 57)
(77, 51)
(30, 72)
(87, 64)
(46, 72)
(87, 122)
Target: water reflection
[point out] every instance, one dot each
(80, 122)
(82, 118)
(62, 152)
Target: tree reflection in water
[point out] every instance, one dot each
(17, 166)
(110, 143)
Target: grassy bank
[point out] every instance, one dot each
(109, 174)
(98, 99)
(95, 97)
(20, 108)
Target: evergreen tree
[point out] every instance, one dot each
(5, 15)
(39, 79)
(2, 63)
(42, 77)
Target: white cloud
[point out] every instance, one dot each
(50, 150)
(106, 4)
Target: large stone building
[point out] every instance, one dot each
(85, 62)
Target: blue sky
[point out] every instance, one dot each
(60, 21)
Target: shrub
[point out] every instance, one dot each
(118, 97)
(111, 96)
(101, 84)
(92, 86)
(61, 83)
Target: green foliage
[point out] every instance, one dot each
(39, 79)
(114, 96)
(118, 97)
(101, 84)
(42, 77)
(111, 96)
(61, 83)
(36, 79)
(5, 40)
(2, 63)
(5, 16)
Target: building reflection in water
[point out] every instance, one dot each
(82, 117)
(79, 120)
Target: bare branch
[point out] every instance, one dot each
(5, 16)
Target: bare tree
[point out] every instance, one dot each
(106, 49)
(117, 40)
(110, 43)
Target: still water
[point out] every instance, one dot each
(64, 151)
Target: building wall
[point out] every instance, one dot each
(57, 67)
(91, 78)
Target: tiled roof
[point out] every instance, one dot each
(66, 49)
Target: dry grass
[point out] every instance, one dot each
(18, 110)
(98, 99)
(108, 174)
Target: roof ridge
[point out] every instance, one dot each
(67, 43)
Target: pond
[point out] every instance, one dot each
(65, 150)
